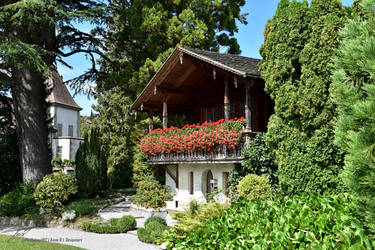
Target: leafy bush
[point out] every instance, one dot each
(155, 218)
(195, 217)
(54, 191)
(83, 208)
(10, 170)
(19, 202)
(152, 233)
(150, 193)
(307, 221)
(122, 225)
(91, 165)
(101, 228)
(126, 223)
(254, 187)
(257, 160)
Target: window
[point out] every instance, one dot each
(70, 130)
(210, 114)
(59, 151)
(59, 129)
(191, 183)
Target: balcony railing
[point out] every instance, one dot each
(220, 154)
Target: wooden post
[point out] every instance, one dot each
(165, 112)
(226, 99)
(150, 121)
(247, 107)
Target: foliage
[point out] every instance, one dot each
(155, 218)
(354, 94)
(254, 187)
(152, 232)
(54, 191)
(116, 125)
(195, 217)
(126, 223)
(122, 225)
(191, 138)
(83, 208)
(297, 54)
(142, 34)
(257, 160)
(18, 202)
(307, 221)
(30, 47)
(91, 165)
(10, 171)
(60, 164)
(15, 243)
(150, 193)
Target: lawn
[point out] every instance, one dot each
(13, 242)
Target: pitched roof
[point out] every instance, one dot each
(235, 63)
(60, 94)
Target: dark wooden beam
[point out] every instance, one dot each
(150, 121)
(186, 74)
(165, 112)
(226, 99)
(247, 106)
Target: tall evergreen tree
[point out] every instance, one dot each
(142, 34)
(34, 34)
(354, 94)
(299, 44)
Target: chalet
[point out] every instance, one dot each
(65, 115)
(207, 86)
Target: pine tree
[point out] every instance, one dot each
(34, 35)
(354, 94)
(91, 164)
(299, 44)
(143, 33)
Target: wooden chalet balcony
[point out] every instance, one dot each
(220, 154)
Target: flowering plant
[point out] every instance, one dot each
(191, 138)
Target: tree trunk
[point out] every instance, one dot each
(28, 92)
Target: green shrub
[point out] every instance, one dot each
(257, 160)
(91, 165)
(122, 225)
(353, 93)
(150, 193)
(152, 233)
(195, 217)
(126, 223)
(54, 191)
(144, 235)
(155, 218)
(83, 208)
(307, 221)
(19, 202)
(253, 187)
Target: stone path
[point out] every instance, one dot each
(123, 208)
(80, 239)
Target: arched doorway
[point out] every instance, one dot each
(209, 177)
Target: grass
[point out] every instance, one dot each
(13, 242)
(83, 207)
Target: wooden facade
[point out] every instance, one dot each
(206, 86)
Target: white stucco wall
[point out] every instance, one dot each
(69, 144)
(67, 117)
(183, 195)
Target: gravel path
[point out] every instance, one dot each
(79, 238)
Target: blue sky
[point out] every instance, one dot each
(250, 38)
